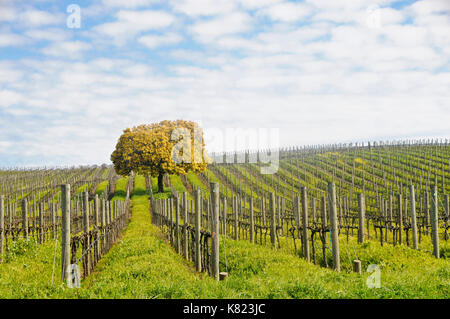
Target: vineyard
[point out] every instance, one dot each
(330, 219)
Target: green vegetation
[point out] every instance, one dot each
(166, 194)
(177, 184)
(82, 188)
(101, 187)
(143, 265)
(194, 180)
(121, 189)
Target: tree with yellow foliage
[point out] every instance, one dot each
(172, 147)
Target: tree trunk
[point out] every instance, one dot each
(160, 183)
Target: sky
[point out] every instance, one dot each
(74, 74)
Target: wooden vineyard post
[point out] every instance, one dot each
(225, 227)
(334, 226)
(103, 224)
(305, 224)
(163, 212)
(297, 213)
(166, 214)
(160, 212)
(215, 229)
(10, 214)
(198, 258)
(400, 219)
(252, 222)
(200, 203)
(238, 209)
(87, 262)
(324, 229)
(413, 217)
(108, 212)
(435, 221)
(33, 217)
(391, 203)
(324, 212)
(54, 227)
(185, 230)
(96, 220)
(241, 213)
(223, 276)
(278, 201)
(357, 266)
(447, 213)
(25, 218)
(192, 206)
(41, 223)
(235, 216)
(272, 220)
(173, 211)
(362, 217)
(263, 209)
(170, 218)
(65, 230)
(2, 226)
(427, 211)
(177, 223)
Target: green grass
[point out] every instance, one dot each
(27, 272)
(143, 265)
(83, 188)
(194, 180)
(177, 184)
(166, 194)
(101, 187)
(121, 189)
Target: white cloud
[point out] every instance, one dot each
(325, 5)
(203, 7)
(255, 4)
(7, 13)
(129, 23)
(287, 11)
(47, 34)
(153, 41)
(11, 39)
(70, 49)
(8, 98)
(390, 16)
(332, 81)
(146, 19)
(243, 93)
(223, 25)
(407, 35)
(33, 18)
(5, 145)
(128, 3)
(10, 73)
(440, 7)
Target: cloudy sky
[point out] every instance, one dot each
(320, 71)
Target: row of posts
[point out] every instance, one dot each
(215, 211)
(215, 224)
(104, 216)
(301, 213)
(197, 228)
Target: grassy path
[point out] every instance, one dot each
(142, 265)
